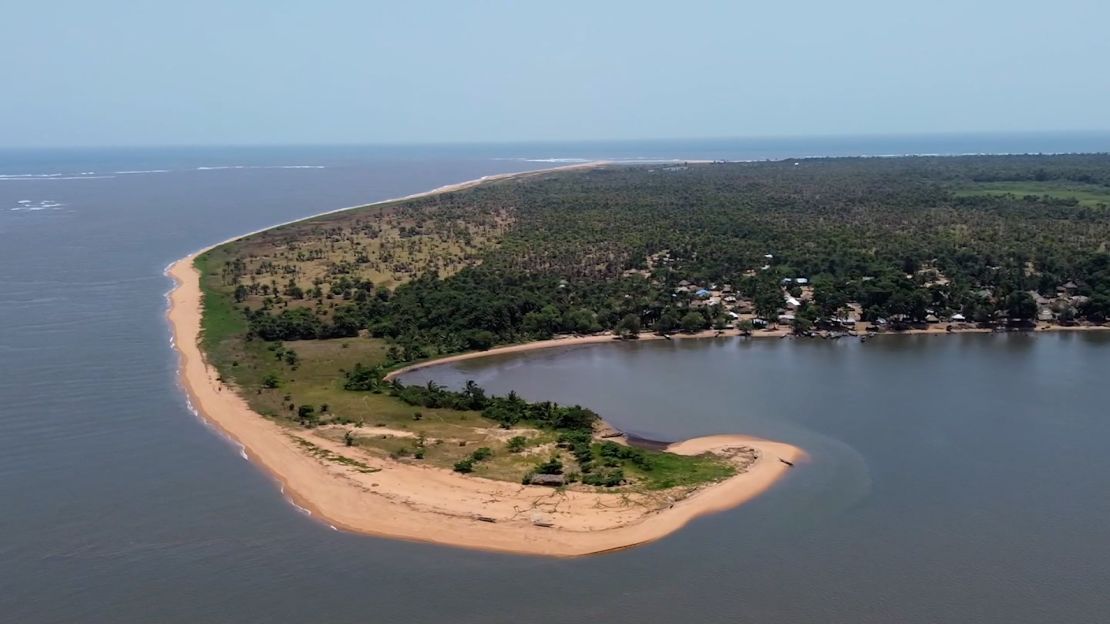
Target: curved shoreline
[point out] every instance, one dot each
(783, 332)
(421, 503)
(394, 499)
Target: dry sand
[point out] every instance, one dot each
(421, 503)
(778, 332)
(935, 329)
(409, 501)
(415, 502)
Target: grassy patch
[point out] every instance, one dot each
(301, 382)
(1089, 195)
(326, 455)
(669, 470)
(221, 320)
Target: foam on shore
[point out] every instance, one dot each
(423, 503)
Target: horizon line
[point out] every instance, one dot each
(479, 142)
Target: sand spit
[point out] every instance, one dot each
(356, 491)
(378, 496)
(353, 490)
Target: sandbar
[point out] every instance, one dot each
(405, 500)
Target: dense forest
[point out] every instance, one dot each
(990, 240)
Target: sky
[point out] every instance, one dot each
(280, 72)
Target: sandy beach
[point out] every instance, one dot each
(413, 502)
(367, 494)
(395, 499)
(779, 332)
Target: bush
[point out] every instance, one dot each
(614, 454)
(552, 466)
(480, 340)
(467, 465)
(608, 477)
(516, 444)
(363, 378)
(307, 414)
(693, 322)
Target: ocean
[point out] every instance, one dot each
(117, 504)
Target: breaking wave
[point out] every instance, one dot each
(27, 205)
(223, 167)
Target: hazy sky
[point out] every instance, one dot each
(274, 71)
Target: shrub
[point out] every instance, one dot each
(307, 414)
(608, 477)
(516, 444)
(552, 466)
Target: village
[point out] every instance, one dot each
(797, 311)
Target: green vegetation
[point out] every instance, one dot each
(221, 320)
(1087, 195)
(327, 455)
(315, 384)
(899, 239)
(307, 317)
(467, 465)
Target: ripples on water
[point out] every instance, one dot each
(954, 480)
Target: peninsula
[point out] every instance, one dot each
(378, 478)
(293, 340)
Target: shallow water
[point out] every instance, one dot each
(956, 479)
(951, 478)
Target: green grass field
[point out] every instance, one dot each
(1089, 195)
(221, 321)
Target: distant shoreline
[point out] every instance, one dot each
(608, 338)
(366, 494)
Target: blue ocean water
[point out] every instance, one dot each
(118, 505)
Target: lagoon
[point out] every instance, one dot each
(954, 478)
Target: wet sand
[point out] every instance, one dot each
(395, 499)
(939, 329)
(421, 503)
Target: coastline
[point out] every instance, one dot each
(782, 332)
(404, 500)
(394, 499)
(420, 503)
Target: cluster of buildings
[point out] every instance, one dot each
(738, 307)
(797, 291)
(1062, 307)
